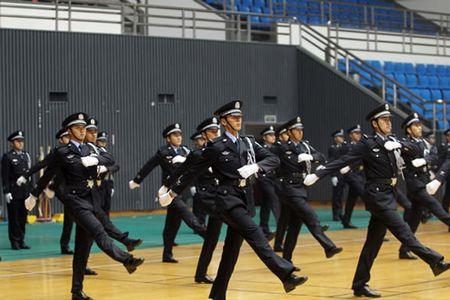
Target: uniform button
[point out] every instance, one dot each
(378, 189)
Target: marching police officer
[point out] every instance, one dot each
(267, 185)
(107, 179)
(206, 189)
(297, 156)
(79, 169)
(15, 164)
(381, 156)
(169, 157)
(443, 154)
(417, 176)
(235, 160)
(336, 150)
(354, 177)
(199, 143)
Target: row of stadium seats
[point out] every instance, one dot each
(429, 81)
(346, 15)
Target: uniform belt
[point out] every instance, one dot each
(81, 184)
(208, 182)
(388, 181)
(241, 183)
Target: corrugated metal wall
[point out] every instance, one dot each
(118, 79)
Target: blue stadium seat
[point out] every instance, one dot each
(433, 81)
(440, 70)
(409, 68)
(421, 69)
(376, 64)
(446, 95)
(447, 71)
(436, 94)
(259, 3)
(431, 69)
(423, 81)
(444, 82)
(411, 80)
(389, 67)
(425, 94)
(400, 78)
(399, 67)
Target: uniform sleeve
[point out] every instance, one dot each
(105, 159)
(190, 170)
(38, 166)
(266, 160)
(113, 169)
(356, 153)
(317, 156)
(49, 174)
(148, 167)
(5, 174)
(443, 171)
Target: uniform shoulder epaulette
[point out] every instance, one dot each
(278, 143)
(215, 140)
(306, 141)
(366, 137)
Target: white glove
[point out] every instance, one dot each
(305, 157)
(320, 167)
(102, 169)
(30, 202)
(89, 161)
(178, 159)
(49, 193)
(248, 170)
(419, 162)
(432, 175)
(344, 170)
(112, 192)
(165, 199)
(133, 185)
(21, 181)
(162, 190)
(8, 198)
(310, 179)
(193, 190)
(391, 145)
(433, 186)
(334, 181)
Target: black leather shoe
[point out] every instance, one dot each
(204, 279)
(325, 227)
(406, 255)
(133, 263)
(170, 260)
(278, 248)
(90, 272)
(440, 268)
(366, 292)
(386, 239)
(15, 246)
(80, 295)
(349, 226)
(24, 246)
(66, 251)
(293, 281)
(332, 252)
(297, 269)
(175, 244)
(133, 244)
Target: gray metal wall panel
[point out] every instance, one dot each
(116, 79)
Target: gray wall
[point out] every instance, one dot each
(118, 78)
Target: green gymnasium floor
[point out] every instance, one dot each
(44, 238)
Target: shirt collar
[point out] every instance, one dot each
(76, 143)
(232, 137)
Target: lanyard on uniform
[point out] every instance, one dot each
(398, 158)
(307, 163)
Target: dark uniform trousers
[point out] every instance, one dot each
(355, 181)
(404, 202)
(176, 212)
(338, 192)
(422, 200)
(269, 202)
(105, 190)
(446, 199)
(67, 229)
(380, 221)
(301, 212)
(205, 200)
(17, 218)
(283, 220)
(240, 227)
(198, 210)
(89, 229)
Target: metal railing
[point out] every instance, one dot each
(144, 19)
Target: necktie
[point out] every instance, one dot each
(238, 145)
